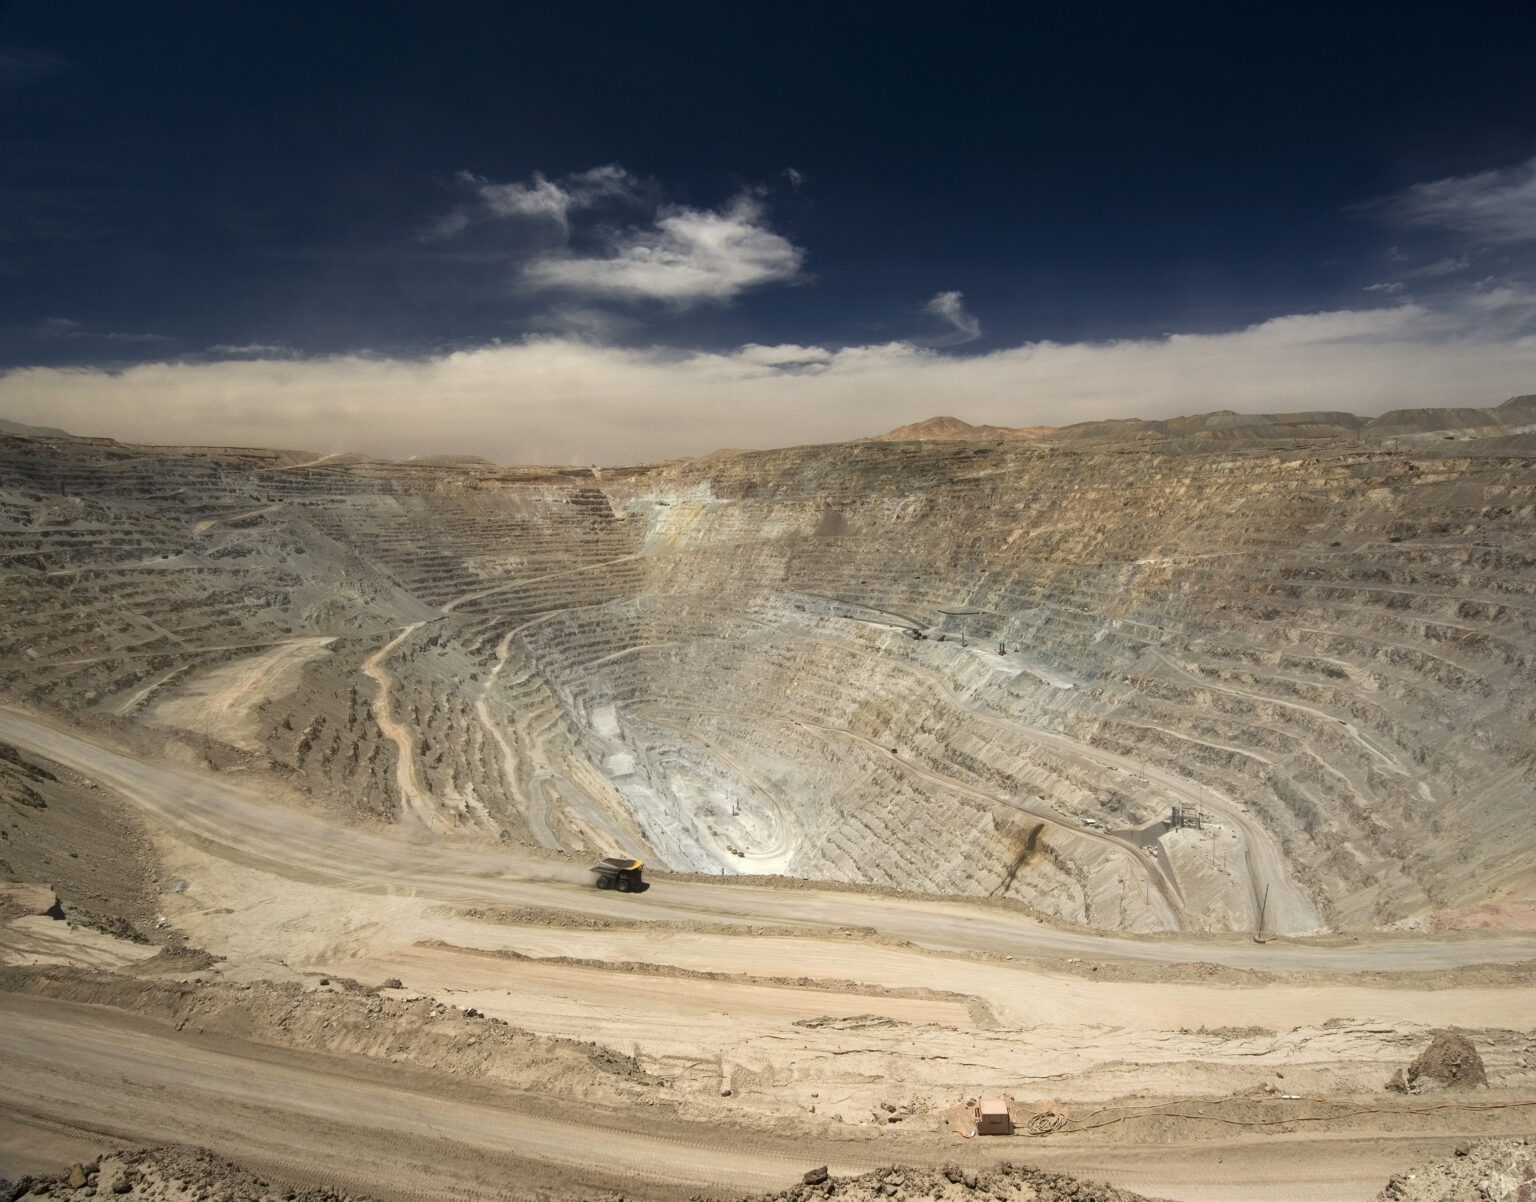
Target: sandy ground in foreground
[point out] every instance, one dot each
(756, 1032)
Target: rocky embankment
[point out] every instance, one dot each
(173, 1174)
(165, 1174)
(1491, 1169)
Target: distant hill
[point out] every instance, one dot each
(10, 427)
(1515, 416)
(952, 429)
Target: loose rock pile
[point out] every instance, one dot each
(167, 1174)
(1496, 1170)
(1005, 1183)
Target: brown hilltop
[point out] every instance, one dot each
(953, 429)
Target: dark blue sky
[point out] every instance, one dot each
(179, 179)
(244, 173)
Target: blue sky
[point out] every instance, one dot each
(614, 231)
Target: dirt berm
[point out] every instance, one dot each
(343, 1016)
(163, 1173)
(1006, 1183)
(175, 1174)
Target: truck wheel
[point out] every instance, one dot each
(624, 885)
(604, 882)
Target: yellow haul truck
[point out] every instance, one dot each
(619, 873)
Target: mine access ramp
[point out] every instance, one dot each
(621, 873)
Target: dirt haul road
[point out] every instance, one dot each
(404, 1134)
(244, 829)
(763, 990)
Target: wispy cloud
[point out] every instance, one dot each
(1496, 206)
(949, 307)
(539, 198)
(132, 336)
(1450, 265)
(66, 327)
(687, 257)
(254, 350)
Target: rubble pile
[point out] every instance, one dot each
(1495, 1170)
(953, 1183)
(167, 1174)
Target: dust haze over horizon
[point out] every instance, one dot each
(610, 236)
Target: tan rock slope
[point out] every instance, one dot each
(992, 668)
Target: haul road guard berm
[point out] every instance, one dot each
(617, 872)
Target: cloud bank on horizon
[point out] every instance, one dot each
(557, 400)
(1448, 335)
(592, 233)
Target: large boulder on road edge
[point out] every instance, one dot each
(1450, 1062)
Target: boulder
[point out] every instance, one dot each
(1450, 1061)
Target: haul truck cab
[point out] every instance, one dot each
(617, 872)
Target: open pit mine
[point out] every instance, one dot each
(1155, 794)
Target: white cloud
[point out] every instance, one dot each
(1513, 302)
(949, 307)
(539, 198)
(680, 256)
(254, 350)
(559, 400)
(1393, 286)
(1493, 206)
(65, 327)
(689, 256)
(1441, 267)
(132, 336)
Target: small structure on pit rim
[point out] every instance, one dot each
(992, 1117)
(619, 872)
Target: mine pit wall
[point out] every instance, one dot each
(712, 662)
(1338, 642)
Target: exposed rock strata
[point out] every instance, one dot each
(919, 664)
